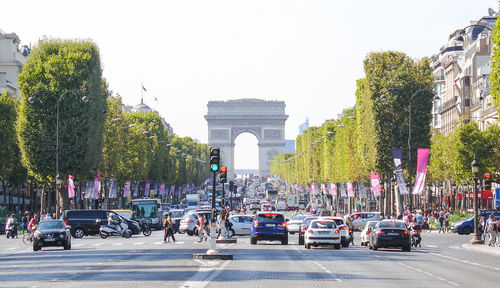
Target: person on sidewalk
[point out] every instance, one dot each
(491, 228)
(482, 228)
(164, 224)
(441, 222)
(169, 228)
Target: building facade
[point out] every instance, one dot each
(12, 59)
(461, 78)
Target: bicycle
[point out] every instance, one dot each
(28, 237)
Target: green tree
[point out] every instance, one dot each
(8, 140)
(63, 71)
(495, 66)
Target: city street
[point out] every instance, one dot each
(141, 261)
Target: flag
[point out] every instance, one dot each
(397, 155)
(342, 190)
(172, 189)
(333, 189)
(375, 183)
(89, 189)
(362, 190)
(146, 188)
(114, 188)
(350, 189)
(157, 187)
(422, 161)
(136, 190)
(162, 189)
(97, 187)
(126, 189)
(71, 186)
(323, 188)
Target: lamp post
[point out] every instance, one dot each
(475, 165)
(59, 180)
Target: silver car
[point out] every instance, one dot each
(359, 219)
(293, 226)
(241, 224)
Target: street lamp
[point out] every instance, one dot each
(31, 100)
(475, 165)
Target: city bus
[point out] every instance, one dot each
(148, 209)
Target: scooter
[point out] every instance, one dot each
(144, 228)
(11, 231)
(106, 231)
(416, 237)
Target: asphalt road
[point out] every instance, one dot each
(147, 262)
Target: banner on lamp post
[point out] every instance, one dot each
(162, 189)
(397, 155)
(362, 190)
(146, 188)
(343, 192)
(89, 190)
(136, 190)
(126, 189)
(375, 183)
(350, 189)
(333, 189)
(422, 161)
(71, 187)
(113, 190)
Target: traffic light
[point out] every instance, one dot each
(223, 174)
(231, 185)
(487, 181)
(382, 193)
(214, 159)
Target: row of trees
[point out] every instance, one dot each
(94, 132)
(346, 149)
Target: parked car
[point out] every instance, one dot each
(467, 226)
(242, 224)
(322, 232)
(83, 222)
(365, 233)
(269, 226)
(50, 233)
(359, 219)
(293, 226)
(390, 234)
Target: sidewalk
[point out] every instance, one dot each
(484, 248)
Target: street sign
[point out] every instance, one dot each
(497, 198)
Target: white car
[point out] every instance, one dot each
(359, 219)
(365, 233)
(345, 237)
(322, 232)
(242, 224)
(293, 226)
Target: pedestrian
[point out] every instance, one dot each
(441, 222)
(165, 224)
(169, 228)
(482, 228)
(201, 228)
(491, 228)
(24, 220)
(446, 222)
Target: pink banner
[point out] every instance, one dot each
(71, 186)
(313, 188)
(333, 189)
(162, 188)
(375, 183)
(126, 189)
(323, 188)
(146, 188)
(350, 189)
(172, 189)
(422, 161)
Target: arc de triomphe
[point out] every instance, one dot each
(264, 119)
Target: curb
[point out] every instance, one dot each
(483, 249)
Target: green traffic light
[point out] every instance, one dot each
(214, 167)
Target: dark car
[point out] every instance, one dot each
(2, 228)
(304, 226)
(467, 226)
(51, 233)
(83, 222)
(269, 226)
(390, 234)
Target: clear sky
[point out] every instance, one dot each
(306, 53)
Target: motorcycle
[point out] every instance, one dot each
(415, 233)
(106, 231)
(144, 228)
(11, 231)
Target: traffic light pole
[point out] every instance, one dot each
(213, 221)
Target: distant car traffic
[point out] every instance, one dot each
(269, 226)
(322, 232)
(390, 234)
(51, 233)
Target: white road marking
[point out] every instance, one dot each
(76, 245)
(138, 243)
(179, 242)
(12, 248)
(117, 244)
(96, 244)
(197, 281)
(431, 246)
(422, 271)
(157, 243)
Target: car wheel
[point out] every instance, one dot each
(407, 248)
(67, 246)
(467, 230)
(190, 233)
(375, 248)
(35, 247)
(253, 241)
(345, 244)
(78, 233)
(308, 246)
(336, 246)
(301, 240)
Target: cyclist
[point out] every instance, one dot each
(32, 226)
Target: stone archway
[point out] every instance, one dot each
(264, 119)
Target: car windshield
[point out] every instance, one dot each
(323, 224)
(270, 217)
(51, 225)
(388, 224)
(177, 214)
(308, 220)
(372, 224)
(125, 215)
(298, 217)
